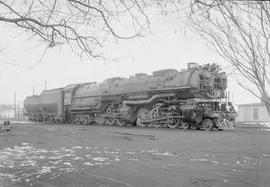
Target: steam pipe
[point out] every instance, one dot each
(141, 102)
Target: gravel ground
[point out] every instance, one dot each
(104, 156)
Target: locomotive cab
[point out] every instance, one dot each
(68, 94)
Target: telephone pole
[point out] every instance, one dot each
(45, 85)
(33, 88)
(15, 112)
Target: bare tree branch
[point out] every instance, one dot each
(240, 32)
(82, 23)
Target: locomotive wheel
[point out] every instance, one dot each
(110, 121)
(120, 122)
(100, 120)
(220, 123)
(176, 123)
(134, 124)
(88, 120)
(198, 117)
(208, 124)
(173, 125)
(140, 124)
(73, 120)
(157, 125)
(84, 122)
(185, 125)
(142, 114)
(77, 121)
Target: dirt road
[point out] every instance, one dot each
(104, 156)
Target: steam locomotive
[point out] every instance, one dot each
(191, 98)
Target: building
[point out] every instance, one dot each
(253, 112)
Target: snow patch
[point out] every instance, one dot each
(77, 158)
(88, 163)
(45, 169)
(117, 159)
(130, 153)
(67, 163)
(166, 153)
(10, 176)
(199, 160)
(77, 147)
(100, 159)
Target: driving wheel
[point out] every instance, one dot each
(141, 115)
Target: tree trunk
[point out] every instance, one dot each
(267, 104)
(266, 100)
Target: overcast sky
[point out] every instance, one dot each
(169, 46)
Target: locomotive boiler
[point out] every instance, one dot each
(194, 97)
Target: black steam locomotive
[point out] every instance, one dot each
(195, 97)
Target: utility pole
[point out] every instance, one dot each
(15, 113)
(18, 112)
(33, 88)
(45, 85)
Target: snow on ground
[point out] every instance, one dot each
(27, 163)
(238, 164)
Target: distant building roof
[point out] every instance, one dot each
(251, 104)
